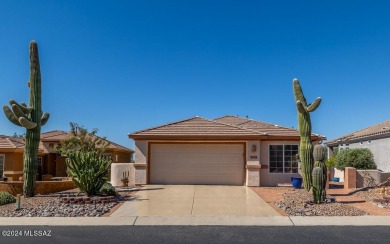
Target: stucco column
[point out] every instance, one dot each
(349, 178)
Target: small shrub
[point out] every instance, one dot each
(6, 198)
(107, 190)
(330, 162)
(359, 158)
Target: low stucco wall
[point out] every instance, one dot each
(370, 178)
(41, 187)
(117, 170)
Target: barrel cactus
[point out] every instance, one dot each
(319, 193)
(304, 127)
(31, 118)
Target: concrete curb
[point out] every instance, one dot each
(220, 220)
(197, 221)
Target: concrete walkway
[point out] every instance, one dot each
(195, 200)
(197, 221)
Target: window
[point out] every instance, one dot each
(282, 159)
(2, 163)
(107, 156)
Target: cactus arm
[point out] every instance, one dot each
(312, 107)
(11, 116)
(45, 118)
(27, 123)
(22, 106)
(18, 112)
(300, 107)
(298, 93)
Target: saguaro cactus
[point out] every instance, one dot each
(304, 126)
(319, 161)
(31, 118)
(318, 189)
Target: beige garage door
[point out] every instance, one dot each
(216, 164)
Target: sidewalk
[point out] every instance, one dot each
(198, 220)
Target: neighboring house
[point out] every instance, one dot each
(376, 138)
(225, 151)
(49, 162)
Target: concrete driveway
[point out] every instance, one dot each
(195, 200)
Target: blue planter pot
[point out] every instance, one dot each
(296, 182)
(336, 179)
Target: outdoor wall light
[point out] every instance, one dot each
(253, 148)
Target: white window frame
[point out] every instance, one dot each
(269, 157)
(3, 168)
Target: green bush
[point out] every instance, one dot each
(330, 162)
(6, 198)
(88, 170)
(359, 158)
(107, 190)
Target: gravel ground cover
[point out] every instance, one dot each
(374, 193)
(299, 202)
(50, 206)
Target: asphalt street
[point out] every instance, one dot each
(193, 234)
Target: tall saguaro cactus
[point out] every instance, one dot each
(31, 118)
(304, 127)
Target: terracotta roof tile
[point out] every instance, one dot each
(380, 129)
(195, 126)
(261, 127)
(7, 142)
(229, 126)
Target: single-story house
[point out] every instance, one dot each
(49, 162)
(376, 138)
(225, 151)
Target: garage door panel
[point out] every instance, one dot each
(197, 164)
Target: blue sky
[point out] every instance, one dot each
(121, 66)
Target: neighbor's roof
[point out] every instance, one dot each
(8, 142)
(58, 135)
(381, 129)
(221, 128)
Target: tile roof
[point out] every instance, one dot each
(7, 142)
(228, 126)
(58, 135)
(381, 129)
(261, 127)
(195, 126)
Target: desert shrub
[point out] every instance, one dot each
(330, 162)
(88, 170)
(107, 190)
(6, 198)
(359, 158)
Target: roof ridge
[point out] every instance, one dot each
(159, 126)
(234, 126)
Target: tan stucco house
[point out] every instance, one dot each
(225, 151)
(49, 162)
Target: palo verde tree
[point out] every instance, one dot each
(304, 127)
(31, 118)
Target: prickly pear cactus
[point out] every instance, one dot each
(304, 127)
(31, 118)
(318, 188)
